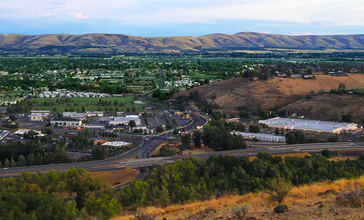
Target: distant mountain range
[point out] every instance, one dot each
(109, 43)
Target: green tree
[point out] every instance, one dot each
(342, 87)
(326, 153)
(186, 139)
(276, 131)
(254, 128)
(12, 163)
(169, 126)
(333, 138)
(197, 138)
(160, 129)
(22, 161)
(278, 188)
(232, 115)
(132, 123)
(7, 163)
(30, 159)
(244, 114)
(12, 117)
(175, 131)
(164, 197)
(103, 206)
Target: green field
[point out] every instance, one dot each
(89, 104)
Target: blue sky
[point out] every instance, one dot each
(152, 18)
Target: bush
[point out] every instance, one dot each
(278, 188)
(240, 211)
(355, 197)
(326, 153)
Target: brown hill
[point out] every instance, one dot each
(236, 92)
(329, 107)
(125, 43)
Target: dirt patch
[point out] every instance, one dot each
(343, 158)
(174, 145)
(118, 176)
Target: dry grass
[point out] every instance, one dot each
(113, 176)
(174, 145)
(303, 203)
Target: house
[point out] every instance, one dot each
(36, 117)
(43, 112)
(308, 76)
(66, 122)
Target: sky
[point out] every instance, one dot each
(153, 18)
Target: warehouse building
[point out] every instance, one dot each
(43, 112)
(309, 125)
(125, 120)
(261, 137)
(66, 122)
(80, 116)
(115, 144)
(94, 114)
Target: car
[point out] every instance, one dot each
(5, 168)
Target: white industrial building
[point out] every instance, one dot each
(309, 125)
(261, 136)
(66, 122)
(115, 144)
(125, 120)
(43, 112)
(80, 116)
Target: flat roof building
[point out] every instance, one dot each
(125, 120)
(261, 136)
(94, 114)
(66, 122)
(36, 117)
(43, 112)
(115, 144)
(81, 116)
(309, 125)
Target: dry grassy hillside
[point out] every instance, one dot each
(303, 202)
(329, 107)
(236, 92)
(125, 43)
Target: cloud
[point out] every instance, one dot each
(78, 15)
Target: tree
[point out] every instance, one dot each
(333, 138)
(186, 139)
(12, 117)
(342, 87)
(22, 161)
(216, 116)
(30, 159)
(133, 109)
(175, 131)
(224, 115)
(197, 138)
(276, 131)
(244, 114)
(160, 129)
(254, 128)
(164, 197)
(326, 153)
(12, 163)
(232, 114)
(132, 123)
(169, 126)
(278, 188)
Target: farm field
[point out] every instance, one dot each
(88, 104)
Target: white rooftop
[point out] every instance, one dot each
(116, 143)
(303, 124)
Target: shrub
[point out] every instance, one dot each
(278, 188)
(240, 211)
(355, 197)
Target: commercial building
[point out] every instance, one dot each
(66, 122)
(36, 117)
(115, 144)
(94, 114)
(80, 116)
(261, 137)
(43, 112)
(309, 125)
(125, 120)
